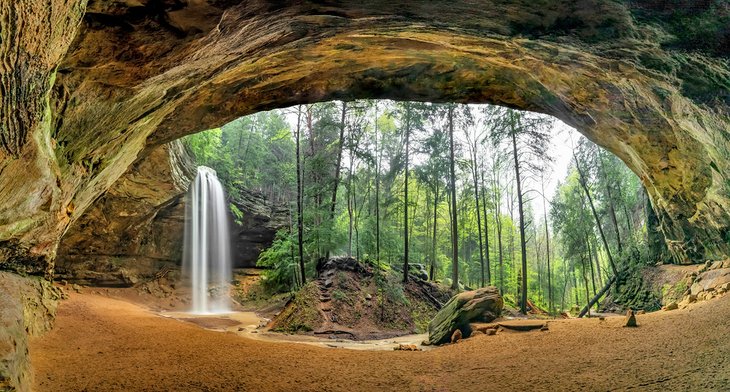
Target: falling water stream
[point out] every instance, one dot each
(206, 253)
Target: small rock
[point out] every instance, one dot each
(490, 331)
(671, 306)
(328, 283)
(64, 282)
(76, 288)
(368, 297)
(456, 336)
(406, 347)
(630, 319)
(544, 328)
(241, 329)
(601, 318)
(642, 311)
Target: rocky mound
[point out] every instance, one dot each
(358, 301)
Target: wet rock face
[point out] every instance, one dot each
(256, 230)
(106, 82)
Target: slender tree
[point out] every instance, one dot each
(408, 114)
(454, 226)
(300, 217)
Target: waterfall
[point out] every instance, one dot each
(206, 252)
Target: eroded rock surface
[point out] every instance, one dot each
(134, 229)
(27, 308)
(255, 231)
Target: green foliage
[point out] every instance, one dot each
(258, 152)
(279, 263)
(237, 213)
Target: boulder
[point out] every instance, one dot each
(482, 305)
(711, 279)
(327, 267)
(671, 306)
(418, 270)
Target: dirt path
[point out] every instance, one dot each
(102, 344)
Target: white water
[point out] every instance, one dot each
(206, 253)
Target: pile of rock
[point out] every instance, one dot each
(713, 280)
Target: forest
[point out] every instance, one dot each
(464, 195)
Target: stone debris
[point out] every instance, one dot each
(406, 347)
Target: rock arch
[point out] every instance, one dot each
(78, 112)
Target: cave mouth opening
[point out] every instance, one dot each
(367, 141)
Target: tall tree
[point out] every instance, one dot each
(300, 217)
(408, 114)
(472, 138)
(340, 145)
(454, 226)
(528, 136)
(520, 207)
(584, 185)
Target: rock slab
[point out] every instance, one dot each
(482, 305)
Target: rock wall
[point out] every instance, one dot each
(89, 87)
(27, 308)
(256, 230)
(137, 227)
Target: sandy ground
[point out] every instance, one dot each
(104, 344)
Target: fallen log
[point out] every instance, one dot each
(597, 297)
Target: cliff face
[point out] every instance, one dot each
(89, 88)
(137, 227)
(256, 230)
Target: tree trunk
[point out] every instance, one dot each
(300, 219)
(498, 224)
(435, 225)
(377, 190)
(597, 296)
(454, 229)
(333, 203)
(585, 283)
(611, 206)
(523, 247)
(584, 185)
(486, 231)
(479, 219)
(405, 197)
(590, 257)
(551, 310)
